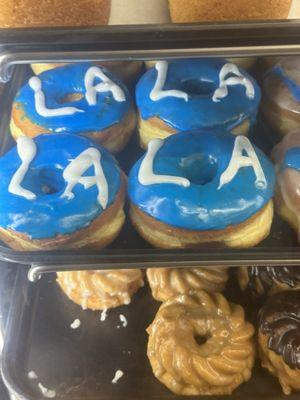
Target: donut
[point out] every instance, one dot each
(200, 344)
(279, 338)
(100, 290)
(202, 187)
(281, 95)
(195, 94)
(60, 191)
(220, 10)
(263, 280)
(166, 283)
(127, 71)
(31, 13)
(286, 156)
(81, 99)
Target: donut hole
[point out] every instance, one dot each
(197, 87)
(200, 340)
(71, 98)
(45, 181)
(199, 169)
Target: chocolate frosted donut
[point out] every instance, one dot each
(279, 338)
(269, 280)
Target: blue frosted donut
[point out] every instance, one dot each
(205, 194)
(81, 99)
(212, 93)
(45, 210)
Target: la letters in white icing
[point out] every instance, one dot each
(107, 85)
(146, 176)
(73, 173)
(220, 93)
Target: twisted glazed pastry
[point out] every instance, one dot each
(279, 338)
(99, 290)
(268, 280)
(169, 282)
(216, 367)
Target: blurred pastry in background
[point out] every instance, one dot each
(128, 12)
(261, 280)
(101, 290)
(200, 344)
(127, 71)
(281, 95)
(286, 156)
(166, 283)
(82, 99)
(60, 191)
(45, 13)
(220, 10)
(279, 338)
(193, 94)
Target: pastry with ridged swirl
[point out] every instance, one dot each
(219, 364)
(100, 290)
(268, 280)
(169, 282)
(279, 338)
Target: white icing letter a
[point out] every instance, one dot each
(27, 150)
(74, 171)
(238, 161)
(107, 85)
(146, 175)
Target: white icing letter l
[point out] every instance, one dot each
(238, 161)
(74, 171)
(27, 150)
(146, 175)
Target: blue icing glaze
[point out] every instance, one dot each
(201, 156)
(293, 87)
(60, 82)
(50, 215)
(292, 158)
(199, 78)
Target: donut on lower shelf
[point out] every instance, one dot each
(202, 187)
(279, 338)
(200, 344)
(127, 71)
(268, 280)
(100, 290)
(82, 99)
(286, 156)
(281, 95)
(170, 282)
(60, 192)
(195, 93)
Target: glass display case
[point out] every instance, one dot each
(220, 104)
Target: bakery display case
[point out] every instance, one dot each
(149, 162)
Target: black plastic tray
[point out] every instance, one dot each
(129, 250)
(80, 364)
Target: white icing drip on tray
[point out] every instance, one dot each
(239, 79)
(146, 175)
(103, 315)
(75, 324)
(157, 92)
(40, 102)
(32, 375)
(118, 376)
(73, 174)
(238, 161)
(124, 321)
(107, 85)
(48, 393)
(27, 151)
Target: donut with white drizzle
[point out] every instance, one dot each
(193, 94)
(82, 99)
(60, 191)
(202, 187)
